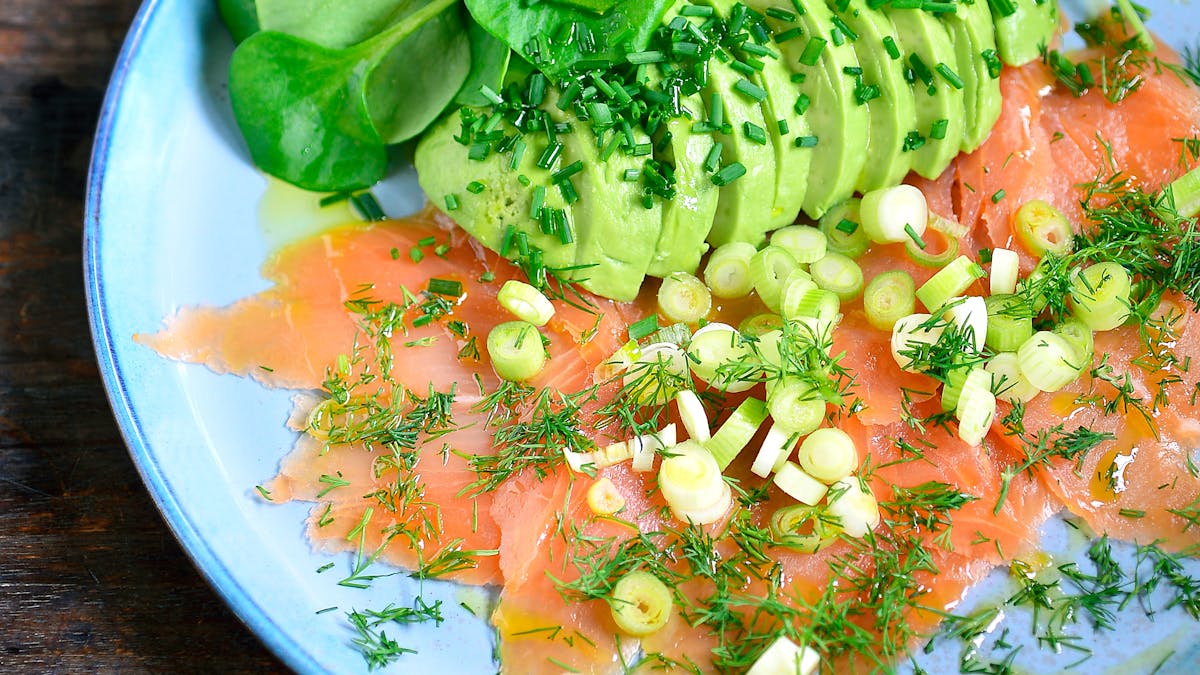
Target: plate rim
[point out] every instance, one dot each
(210, 566)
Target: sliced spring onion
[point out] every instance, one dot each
(785, 657)
(684, 298)
(645, 447)
(796, 407)
(798, 283)
(727, 273)
(976, 410)
(1048, 361)
(888, 297)
(937, 247)
(641, 604)
(828, 455)
(1080, 337)
(978, 379)
(948, 282)
(760, 324)
(952, 389)
(892, 215)
(803, 528)
(798, 485)
(1007, 381)
(516, 350)
(806, 244)
(1006, 266)
(843, 232)
(525, 302)
(693, 415)
(816, 303)
(835, 272)
(714, 346)
(604, 499)
(655, 376)
(854, 507)
(613, 453)
(1042, 228)
(913, 334)
(621, 360)
(775, 449)
(969, 316)
(737, 431)
(769, 271)
(1010, 322)
(1100, 296)
(1185, 192)
(577, 460)
(689, 477)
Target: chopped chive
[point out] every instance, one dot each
(539, 198)
(907, 4)
(805, 142)
(423, 320)
(523, 179)
(475, 187)
(334, 198)
(798, 78)
(920, 69)
(847, 226)
(846, 30)
(695, 10)
(395, 253)
(743, 68)
(567, 189)
(938, 7)
(367, 206)
(479, 152)
(789, 34)
(750, 90)
(812, 51)
(802, 103)
(448, 287)
(801, 10)
(758, 50)
(728, 174)
(507, 240)
(889, 45)
(518, 153)
(716, 111)
(426, 241)
(565, 235)
(490, 94)
(781, 14)
(550, 155)
(865, 93)
(950, 76)
(912, 234)
(522, 240)
(650, 56)
(755, 133)
(1003, 7)
(997, 196)
(713, 160)
(985, 256)
(643, 328)
(852, 71)
(938, 130)
(631, 175)
(415, 254)
(452, 202)
(782, 125)
(487, 276)
(441, 250)
(1085, 75)
(992, 59)
(837, 37)
(567, 171)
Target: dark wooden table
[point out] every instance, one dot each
(91, 579)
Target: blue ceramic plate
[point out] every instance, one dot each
(173, 219)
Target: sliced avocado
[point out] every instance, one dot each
(893, 109)
(926, 48)
(791, 162)
(444, 171)
(975, 45)
(688, 217)
(840, 127)
(615, 234)
(1023, 27)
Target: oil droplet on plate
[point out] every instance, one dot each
(287, 214)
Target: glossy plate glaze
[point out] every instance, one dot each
(173, 219)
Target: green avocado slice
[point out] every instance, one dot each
(686, 219)
(615, 234)
(783, 124)
(840, 128)
(975, 45)
(1023, 27)
(444, 170)
(927, 51)
(893, 109)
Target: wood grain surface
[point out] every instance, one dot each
(91, 580)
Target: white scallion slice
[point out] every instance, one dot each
(516, 350)
(969, 315)
(816, 303)
(718, 346)
(888, 297)
(949, 282)
(796, 407)
(891, 215)
(806, 244)
(913, 335)
(577, 460)
(613, 453)
(978, 380)
(689, 477)
(828, 455)
(776, 447)
(737, 431)
(976, 410)
(785, 657)
(1048, 361)
(645, 447)
(1005, 270)
(839, 274)
(843, 229)
(856, 509)
(727, 273)
(1010, 322)
(684, 298)
(1043, 229)
(1100, 296)
(693, 415)
(641, 604)
(709, 513)
(655, 376)
(1007, 381)
(525, 302)
(797, 484)
(769, 270)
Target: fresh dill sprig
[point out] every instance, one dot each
(1047, 445)
(372, 641)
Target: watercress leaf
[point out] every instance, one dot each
(298, 105)
(413, 82)
(335, 24)
(489, 64)
(240, 17)
(537, 31)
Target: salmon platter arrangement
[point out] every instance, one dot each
(734, 336)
